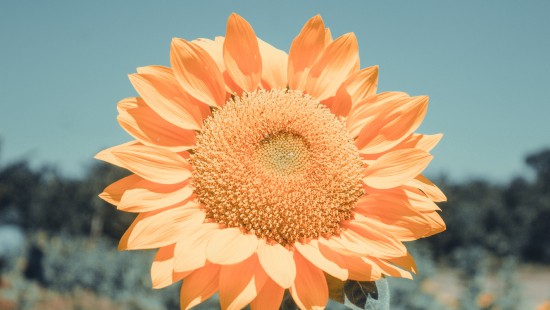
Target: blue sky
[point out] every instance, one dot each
(484, 64)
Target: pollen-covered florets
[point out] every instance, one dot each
(278, 164)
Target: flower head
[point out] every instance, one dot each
(255, 171)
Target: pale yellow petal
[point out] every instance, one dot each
(230, 246)
(277, 262)
(396, 168)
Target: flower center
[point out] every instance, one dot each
(277, 164)
(283, 153)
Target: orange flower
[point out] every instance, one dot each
(256, 171)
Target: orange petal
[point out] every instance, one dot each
(355, 89)
(269, 297)
(395, 168)
(143, 199)
(425, 185)
(274, 66)
(361, 270)
(418, 199)
(160, 228)
(391, 124)
(367, 110)
(240, 283)
(197, 72)
(163, 95)
(107, 154)
(242, 54)
(328, 36)
(357, 268)
(436, 223)
(313, 254)
(390, 269)
(277, 262)
(183, 96)
(421, 142)
(230, 246)
(363, 238)
(190, 251)
(154, 164)
(113, 193)
(406, 262)
(338, 61)
(309, 290)
(149, 128)
(199, 286)
(215, 50)
(393, 214)
(305, 49)
(161, 270)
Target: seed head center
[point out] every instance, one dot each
(283, 153)
(277, 164)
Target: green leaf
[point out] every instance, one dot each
(358, 292)
(365, 295)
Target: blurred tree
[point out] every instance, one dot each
(540, 162)
(537, 208)
(104, 217)
(43, 199)
(18, 184)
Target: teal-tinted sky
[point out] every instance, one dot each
(484, 64)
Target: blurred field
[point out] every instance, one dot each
(79, 274)
(58, 246)
(533, 283)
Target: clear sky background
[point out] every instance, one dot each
(484, 64)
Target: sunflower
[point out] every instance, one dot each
(256, 171)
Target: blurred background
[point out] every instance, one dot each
(485, 66)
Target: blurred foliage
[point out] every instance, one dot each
(44, 200)
(508, 219)
(88, 275)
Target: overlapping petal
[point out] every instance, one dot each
(309, 290)
(151, 129)
(305, 50)
(153, 164)
(230, 246)
(338, 61)
(269, 297)
(197, 73)
(162, 269)
(190, 252)
(390, 123)
(427, 186)
(199, 286)
(240, 283)
(162, 94)
(396, 168)
(274, 66)
(277, 262)
(358, 87)
(160, 228)
(311, 251)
